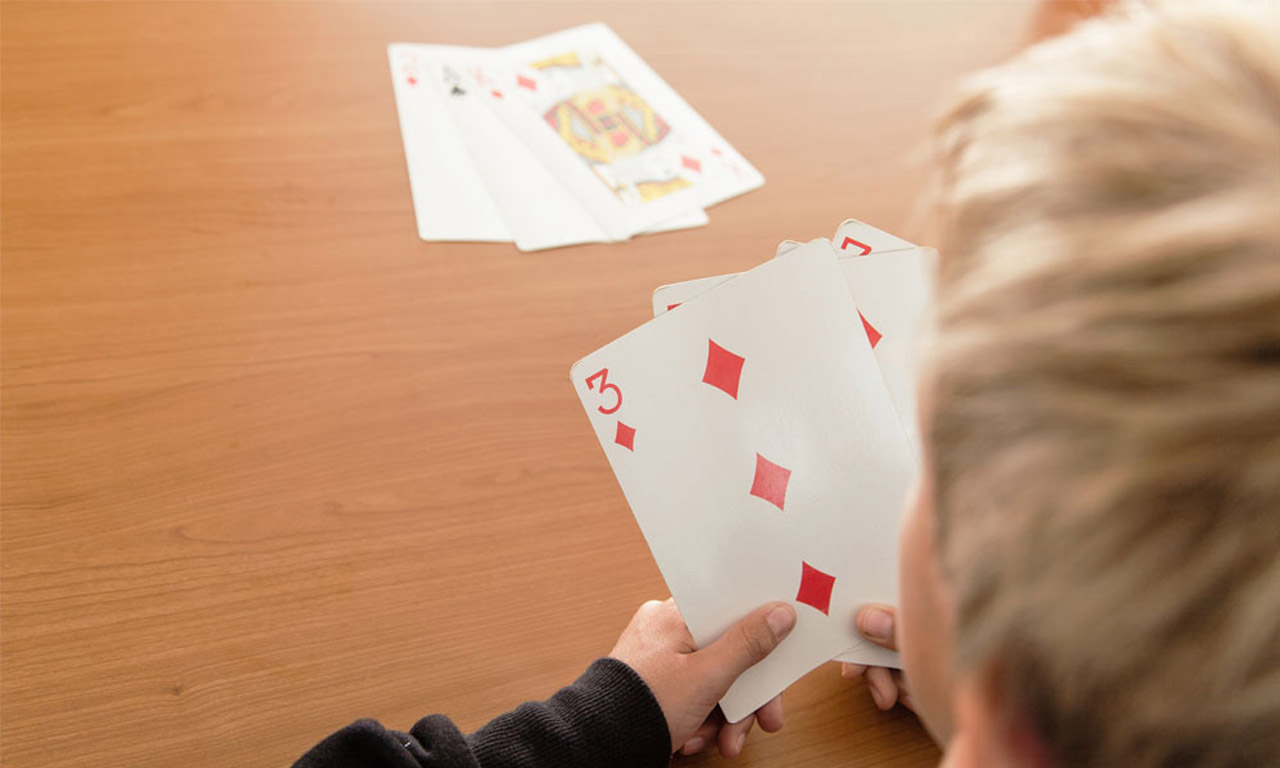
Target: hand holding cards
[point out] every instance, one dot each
(763, 455)
(569, 138)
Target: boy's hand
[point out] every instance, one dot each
(878, 624)
(687, 682)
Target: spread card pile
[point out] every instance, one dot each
(569, 138)
(762, 427)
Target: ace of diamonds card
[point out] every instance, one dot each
(755, 441)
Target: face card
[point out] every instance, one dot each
(757, 446)
(619, 138)
(856, 238)
(450, 198)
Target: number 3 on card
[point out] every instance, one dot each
(603, 376)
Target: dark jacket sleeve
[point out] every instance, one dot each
(608, 717)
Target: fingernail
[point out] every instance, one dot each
(875, 694)
(877, 624)
(694, 746)
(781, 620)
(742, 742)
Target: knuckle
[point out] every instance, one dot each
(755, 641)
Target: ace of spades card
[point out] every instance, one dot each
(756, 443)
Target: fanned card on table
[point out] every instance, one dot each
(569, 138)
(612, 131)
(760, 451)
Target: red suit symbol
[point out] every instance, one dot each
(724, 369)
(873, 335)
(625, 436)
(815, 588)
(770, 482)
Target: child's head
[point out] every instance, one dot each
(1102, 402)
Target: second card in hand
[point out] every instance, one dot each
(757, 445)
(894, 292)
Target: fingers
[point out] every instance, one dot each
(746, 643)
(705, 734)
(770, 715)
(662, 613)
(876, 623)
(904, 695)
(733, 736)
(883, 687)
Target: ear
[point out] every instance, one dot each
(988, 735)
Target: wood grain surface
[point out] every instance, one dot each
(271, 463)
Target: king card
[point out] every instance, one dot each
(619, 138)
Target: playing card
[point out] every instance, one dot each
(539, 210)
(622, 142)
(672, 295)
(450, 198)
(895, 289)
(787, 246)
(455, 142)
(893, 292)
(757, 446)
(668, 297)
(856, 238)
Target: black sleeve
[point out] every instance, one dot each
(607, 718)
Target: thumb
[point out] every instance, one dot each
(876, 623)
(746, 643)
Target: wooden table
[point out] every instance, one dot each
(271, 463)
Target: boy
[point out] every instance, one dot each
(1090, 571)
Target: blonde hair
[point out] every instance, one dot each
(1105, 380)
